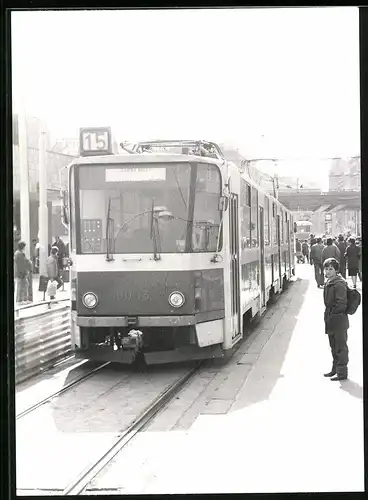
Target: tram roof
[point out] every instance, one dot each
(143, 158)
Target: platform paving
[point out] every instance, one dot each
(38, 296)
(267, 421)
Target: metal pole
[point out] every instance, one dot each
(24, 182)
(42, 209)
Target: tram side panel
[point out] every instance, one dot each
(250, 260)
(276, 250)
(268, 243)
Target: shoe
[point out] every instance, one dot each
(329, 374)
(339, 377)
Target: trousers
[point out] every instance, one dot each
(318, 273)
(21, 289)
(339, 351)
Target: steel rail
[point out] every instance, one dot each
(61, 391)
(79, 484)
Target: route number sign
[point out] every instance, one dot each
(95, 141)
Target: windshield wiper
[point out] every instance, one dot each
(155, 234)
(109, 225)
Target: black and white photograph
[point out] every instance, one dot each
(187, 251)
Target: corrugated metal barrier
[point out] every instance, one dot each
(42, 337)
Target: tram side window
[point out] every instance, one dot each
(267, 221)
(282, 215)
(254, 218)
(291, 227)
(245, 219)
(206, 214)
(274, 222)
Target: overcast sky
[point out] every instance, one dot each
(272, 82)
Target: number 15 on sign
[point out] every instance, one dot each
(95, 141)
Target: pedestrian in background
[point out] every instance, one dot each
(21, 271)
(336, 320)
(298, 251)
(341, 245)
(352, 254)
(358, 243)
(36, 256)
(53, 268)
(60, 245)
(305, 250)
(316, 260)
(330, 251)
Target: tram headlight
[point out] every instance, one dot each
(90, 300)
(176, 299)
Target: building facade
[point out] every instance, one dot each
(55, 163)
(344, 175)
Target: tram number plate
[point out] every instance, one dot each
(95, 141)
(128, 295)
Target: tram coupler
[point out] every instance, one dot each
(134, 340)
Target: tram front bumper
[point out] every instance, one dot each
(147, 321)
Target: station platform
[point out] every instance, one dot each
(38, 296)
(266, 421)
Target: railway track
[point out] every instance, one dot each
(62, 391)
(80, 483)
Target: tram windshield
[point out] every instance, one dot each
(179, 201)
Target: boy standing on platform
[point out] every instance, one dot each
(336, 320)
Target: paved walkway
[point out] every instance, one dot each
(267, 421)
(38, 296)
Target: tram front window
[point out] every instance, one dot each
(136, 200)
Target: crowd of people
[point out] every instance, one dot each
(346, 250)
(24, 268)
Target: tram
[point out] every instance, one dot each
(171, 247)
(303, 230)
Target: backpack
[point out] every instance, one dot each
(354, 299)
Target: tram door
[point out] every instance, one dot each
(278, 230)
(234, 265)
(262, 256)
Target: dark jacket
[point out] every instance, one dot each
(331, 251)
(341, 245)
(305, 248)
(298, 246)
(352, 254)
(316, 253)
(336, 299)
(360, 259)
(21, 265)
